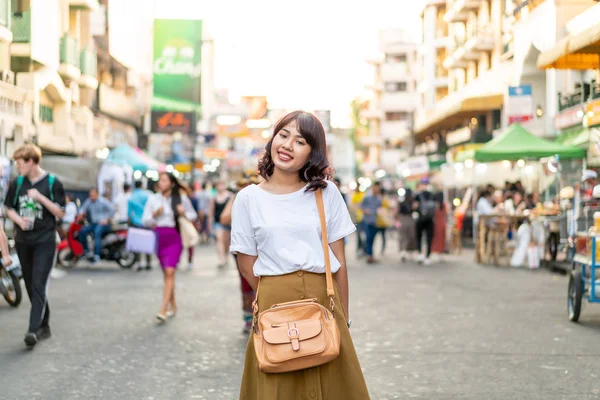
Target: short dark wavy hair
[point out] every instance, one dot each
(317, 169)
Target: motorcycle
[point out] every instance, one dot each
(70, 249)
(10, 285)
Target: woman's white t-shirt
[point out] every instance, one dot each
(284, 231)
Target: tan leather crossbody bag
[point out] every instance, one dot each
(298, 334)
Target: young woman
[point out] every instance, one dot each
(276, 235)
(162, 212)
(222, 232)
(407, 233)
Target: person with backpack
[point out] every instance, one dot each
(35, 201)
(425, 206)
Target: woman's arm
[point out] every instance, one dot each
(341, 277)
(246, 264)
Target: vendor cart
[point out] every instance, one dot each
(583, 281)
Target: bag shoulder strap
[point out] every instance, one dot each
(324, 239)
(51, 179)
(20, 180)
(328, 276)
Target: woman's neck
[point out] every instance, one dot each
(285, 179)
(167, 194)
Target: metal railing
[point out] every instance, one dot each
(21, 27)
(584, 94)
(89, 63)
(69, 51)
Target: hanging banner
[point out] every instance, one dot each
(177, 65)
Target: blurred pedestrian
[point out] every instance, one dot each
(203, 196)
(357, 216)
(162, 213)
(384, 220)
(135, 210)
(438, 243)
(425, 207)
(70, 215)
(35, 201)
(408, 231)
(222, 231)
(248, 293)
(276, 235)
(121, 202)
(370, 207)
(98, 211)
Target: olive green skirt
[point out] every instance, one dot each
(340, 379)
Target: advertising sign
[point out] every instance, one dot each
(171, 121)
(177, 64)
(519, 107)
(567, 118)
(592, 114)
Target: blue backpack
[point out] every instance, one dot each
(21, 179)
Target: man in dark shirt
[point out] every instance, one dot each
(35, 200)
(426, 206)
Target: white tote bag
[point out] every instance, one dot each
(189, 234)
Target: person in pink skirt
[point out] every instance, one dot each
(162, 213)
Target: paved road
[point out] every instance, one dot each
(447, 331)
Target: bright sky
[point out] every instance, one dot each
(301, 54)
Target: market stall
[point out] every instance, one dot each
(518, 144)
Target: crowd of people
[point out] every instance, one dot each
(419, 217)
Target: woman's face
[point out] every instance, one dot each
(289, 150)
(221, 187)
(164, 183)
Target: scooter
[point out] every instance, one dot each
(10, 285)
(70, 249)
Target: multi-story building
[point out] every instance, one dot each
(393, 100)
(15, 102)
(123, 101)
(476, 74)
(433, 79)
(493, 46)
(53, 57)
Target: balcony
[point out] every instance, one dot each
(395, 130)
(5, 19)
(399, 101)
(89, 69)
(583, 94)
(85, 5)
(21, 27)
(480, 38)
(69, 58)
(372, 113)
(395, 72)
(458, 10)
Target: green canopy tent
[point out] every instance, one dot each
(518, 143)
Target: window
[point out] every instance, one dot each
(392, 87)
(395, 58)
(397, 116)
(46, 114)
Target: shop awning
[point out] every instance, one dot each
(578, 137)
(580, 52)
(456, 113)
(518, 143)
(135, 158)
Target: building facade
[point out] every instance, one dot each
(53, 59)
(393, 100)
